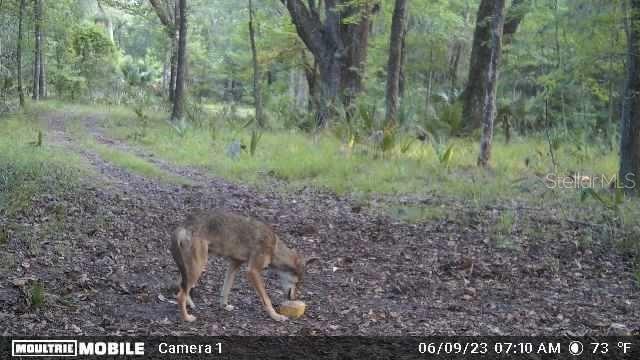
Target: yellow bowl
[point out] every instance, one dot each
(292, 309)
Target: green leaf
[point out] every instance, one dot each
(447, 156)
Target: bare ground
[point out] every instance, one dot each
(101, 255)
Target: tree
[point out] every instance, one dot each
(630, 121)
(42, 86)
(178, 98)
(19, 52)
(257, 96)
(398, 26)
(339, 47)
(37, 54)
(473, 95)
(163, 10)
(485, 59)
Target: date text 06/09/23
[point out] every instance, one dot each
(486, 348)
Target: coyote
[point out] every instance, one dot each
(240, 239)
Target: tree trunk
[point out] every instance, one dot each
(178, 98)
(453, 68)
(330, 70)
(166, 65)
(398, 25)
(403, 62)
(173, 66)
(339, 49)
(298, 88)
(355, 39)
(257, 95)
(19, 52)
(175, 39)
(493, 15)
(311, 74)
(37, 54)
(429, 82)
(630, 120)
(474, 92)
(42, 86)
(171, 25)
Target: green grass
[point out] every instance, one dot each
(133, 163)
(326, 162)
(299, 159)
(37, 295)
(76, 113)
(27, 169)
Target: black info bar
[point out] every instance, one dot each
(339, 347)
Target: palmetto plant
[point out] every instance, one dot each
(444, 155)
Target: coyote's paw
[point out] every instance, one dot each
(278, 317)
(229, 307)
(189, 318)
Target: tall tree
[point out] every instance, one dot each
(19, 51)
(257, 95)
(486, 54)
(474, 92)
(354, 30)
(42, 85)
(179, 95)
(37, 55)
(339, 47)
(398, 26)
(168, 12)
(630, 120)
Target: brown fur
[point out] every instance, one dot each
(241, 240)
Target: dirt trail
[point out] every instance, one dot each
(102, 257)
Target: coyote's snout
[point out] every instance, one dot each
(240, 239)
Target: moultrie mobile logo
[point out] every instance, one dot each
(44, 348)
(55, 348)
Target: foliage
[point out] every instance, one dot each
(94, 53)
(138, 73)
(31, 166)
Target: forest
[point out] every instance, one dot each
(446, 167)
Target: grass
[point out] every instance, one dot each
(123, 159)
(519, 174)
(134, 163)
(26, 168)
(326, 162)
(37, 295)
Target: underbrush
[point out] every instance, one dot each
(29, 165)
(527, 169)
(532, 172)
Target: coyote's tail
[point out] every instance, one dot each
(179, 244)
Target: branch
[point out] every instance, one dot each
(308, 25)
(163, 16)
